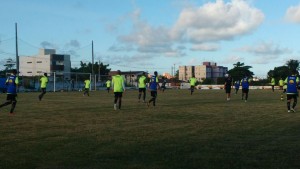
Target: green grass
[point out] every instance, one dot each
(67, 130)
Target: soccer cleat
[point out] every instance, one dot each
(115, 106)
(245, 101)
(289, 111)
(293, 110)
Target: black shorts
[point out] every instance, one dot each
(43, 90)
(228, 89)
(154, 94)
(245, 90)
(142, 90)
(118, 94)
(108, 88)
(11, 97)
(291, 96)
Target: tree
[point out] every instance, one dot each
(293, 64)
(279, 72)
(240, 70)
(87, 68)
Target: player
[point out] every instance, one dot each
(12, 83)
(227, 86)
(108, 84)
(142, 87)
(87, 84)
(292, 91)
(44, 82)
(245, 87)
(153, 85)
(281, 84)
(273, 83)
(193, 82)
(237, 86)
(119, 87)
(163, 85)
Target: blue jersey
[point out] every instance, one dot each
(153, 83)
(237, 84)
(245, 83)
(291, 85)
(12, 82)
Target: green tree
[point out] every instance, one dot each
(87, 68)
(240, 70)
(279, 72)
(293, 64)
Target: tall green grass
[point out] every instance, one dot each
(203, 130)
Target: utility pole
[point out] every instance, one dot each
(99, 73)
(17, 53)
(93, 65)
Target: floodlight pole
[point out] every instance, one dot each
(17, 53)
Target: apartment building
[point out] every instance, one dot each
(206, 70)
(47, 61)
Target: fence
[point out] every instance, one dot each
(62, 82)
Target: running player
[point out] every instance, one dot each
(87, 83)
(119, 87)
(245, 87)
(193, 82)
(142, 87)
(281, 84)
(227, 86)
(163, 85)
(44, 82)
(237, 86)
(273, 83)
(12, 85)
(292, 91)
(153, 85)
(108, 83)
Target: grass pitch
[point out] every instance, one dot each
(67, 130)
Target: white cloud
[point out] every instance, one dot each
(216, 21)
(265, 48)
(293, 14)
(199, 26)
(205, 47)
(232, 59)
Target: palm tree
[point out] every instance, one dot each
(293, 64)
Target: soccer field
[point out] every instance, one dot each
(203, 130)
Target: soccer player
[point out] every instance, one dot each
(44, 82)
(193, 82)
(142, 87)
(153, 85)
(118, 87)
(281, 84)
(108, 84)
(237, 86)
(163, 85)
(292, 91)
(273, 83)
(12, 85)
(227, 86)
(245, 87)
(87, 83)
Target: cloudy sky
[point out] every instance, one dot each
(156, 34)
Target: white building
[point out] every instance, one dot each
(47, 61)
(206, 70)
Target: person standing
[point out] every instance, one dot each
(142, 87)
(292, 91)
(119, 87)
(245, 87)
(227, 86)
(193, 82)
(281, 84)
(237, 86)
(44, 82)
(87, 84)
(12, 83)
(108, 84)
(153, 86)
(163, 85)
(273, 83)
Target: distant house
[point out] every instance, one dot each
(131, 77)
(47, 61)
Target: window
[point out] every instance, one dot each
(39, 62)
(29, 62)
(29, 72)
(38, 71)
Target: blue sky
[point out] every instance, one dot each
(156, 34)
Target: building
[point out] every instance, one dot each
(167, 75)
(47, 61)
(204, 71)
